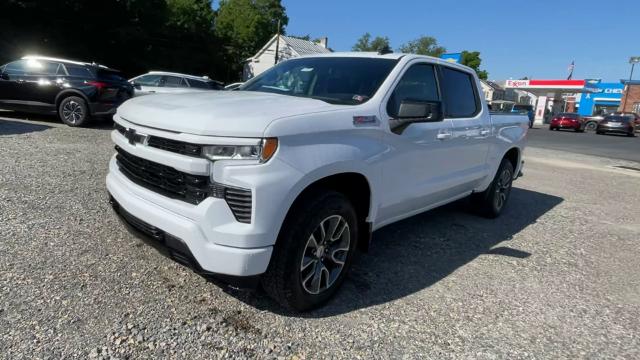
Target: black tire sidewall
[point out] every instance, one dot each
(506, 164)
(295, 239)
(82, 103)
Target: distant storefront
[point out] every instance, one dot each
(600, 98)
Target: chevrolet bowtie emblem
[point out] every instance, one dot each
(130, 134)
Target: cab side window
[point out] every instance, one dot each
(417, 84)
(459, 93)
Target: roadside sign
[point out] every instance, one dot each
(453, 57)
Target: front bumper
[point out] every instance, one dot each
(206, 256)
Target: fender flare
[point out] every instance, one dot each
(71, 92)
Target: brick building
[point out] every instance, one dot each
(630, 97)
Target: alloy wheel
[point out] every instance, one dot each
(325, 254)
(503, 187)
(72, 112)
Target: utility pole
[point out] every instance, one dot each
(633, 61)
(277, 43)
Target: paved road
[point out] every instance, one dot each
(611, 146)
(557, 276)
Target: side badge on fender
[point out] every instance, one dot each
(367, 120)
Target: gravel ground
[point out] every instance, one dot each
(556, 277)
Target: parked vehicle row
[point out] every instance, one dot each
(280, 181)
(77, 91)
(616, 123)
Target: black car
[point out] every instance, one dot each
(619, 124)
(74, 90)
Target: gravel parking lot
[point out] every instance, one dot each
(557, 276)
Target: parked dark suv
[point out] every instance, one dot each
(76, 91)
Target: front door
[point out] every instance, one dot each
(11, 83)
(416, 166)
(147, 84)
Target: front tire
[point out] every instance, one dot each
(314, 251)
(73, 111)
(491, 202)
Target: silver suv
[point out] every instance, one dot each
(172, 83)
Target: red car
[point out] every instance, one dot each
(571, 121)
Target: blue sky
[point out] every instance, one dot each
(538, 39)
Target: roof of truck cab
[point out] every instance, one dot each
(393, 56)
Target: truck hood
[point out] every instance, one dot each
(217, 113)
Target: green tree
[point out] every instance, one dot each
(472, 59)
(191, 15)
(378, 44)
(424, 45)
(246, 25)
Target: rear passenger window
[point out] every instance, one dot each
(198, 84)
(459, 94)
(174, 81)
(80, 71)
(417, 84)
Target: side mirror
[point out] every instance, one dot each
(414, 111)
(136, 86)
(4, 76)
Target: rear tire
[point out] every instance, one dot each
(73, 111)
(590, 126)
(492, 201)
(313, 253)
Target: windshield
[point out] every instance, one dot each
(349, 81)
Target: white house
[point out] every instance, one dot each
(288, 47)
(492, 91)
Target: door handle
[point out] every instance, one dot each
(484, 132)
(443, 136)
(20, 81)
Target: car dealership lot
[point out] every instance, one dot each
(557, 276)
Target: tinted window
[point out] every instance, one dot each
(417, 84)
(335, 80)
(148, 80)
(80, 71)
(40, 67)
(458, 92)
(174, 81)
(200, 84)
(110, 75)
(15, 68)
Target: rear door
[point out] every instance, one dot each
(471, 127)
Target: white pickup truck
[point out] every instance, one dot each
(281, 181)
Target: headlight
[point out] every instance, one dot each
(262, 151)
